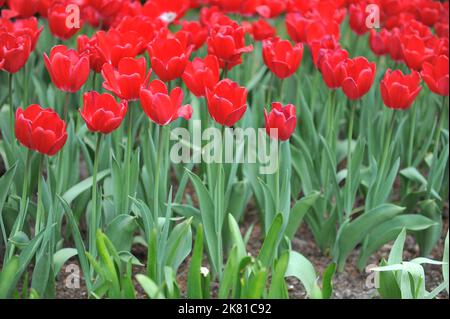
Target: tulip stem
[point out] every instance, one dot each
(349, 157)
(40, 208)
(128, 157)
(160, 152)
(11, 107)
(66, 106)
(94, 82)
(94, 214)
(411, 136)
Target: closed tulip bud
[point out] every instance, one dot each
(68, 70)
(164, 107)
(329, 65)
(102, 113)
(127, 81)
(40, 129)
(227, 102)
(379, 42)
(202, 74)
(357, 77)
(169, 57)
(358, 17)
(435, 75)
(280, 121)
(399, 90)
(262, 30)
(281, 57)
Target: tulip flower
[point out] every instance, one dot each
(227, 42)
(281, 57)
(89, 47)
(102, 113)
(126, 82)
(164, 107)
(297, 25)
(14, 51)
(436, 76)
(358, 18)
(281, 121)
(416, 52)
(68, 70)
(166, 11)
(144, 28)
(262, 30)
(227, 102)
(22, 27)
(57, 22)
(40, 129)
(169, 57)
(195, 32)
(329, 65)
(378, 42)
(399, 90)
(202, 74)
(322, 46)
(394, 45)
(357, 76)
(114, 45)
(271, 8)
(23, 8)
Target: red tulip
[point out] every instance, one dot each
(227, 42)
(271, 8)
(57, 21)
(143, 27)
(102, 113)
(195, 32)
(40, 129)
(14, 51)
(297, 25)
(429, 12)
(416, 52)
(398, 90)
(114, 45)
(329, 65)
(169, 57)
(22, 27)
(281, 121)
(89, 47)
(358, 17)
(435, 75)
(227, 102)
(68, 70)
(23, 8)
(320, 29)
(357, 77)
(281, 57)
(318, 48)
(166, 11)
(201, 75)
(394, 45)
(262, 30)
(163, 107)
(126, 82)
(379, 42)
